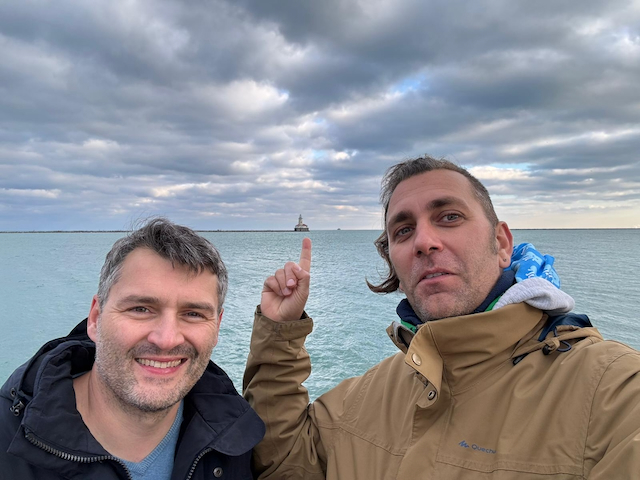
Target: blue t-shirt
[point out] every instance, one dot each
(158, 465)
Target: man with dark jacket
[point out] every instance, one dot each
(496, 378)
(131, 392)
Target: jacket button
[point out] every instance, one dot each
(416, 359)
(217, 472)
(431, 395)
(13, 392)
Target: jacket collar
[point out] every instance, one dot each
(218, 414)
(463, 350)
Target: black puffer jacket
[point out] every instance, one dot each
(42, 435)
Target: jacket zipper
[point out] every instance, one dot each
(75, 458)
(195, 462)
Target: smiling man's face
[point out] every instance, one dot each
(444, 251)
(155, 333)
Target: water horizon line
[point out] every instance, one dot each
(294, 231)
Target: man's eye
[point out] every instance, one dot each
(451, 217)
(402, 231)
(195, 315)
(140, 309)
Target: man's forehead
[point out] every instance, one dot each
(145, 266)
(146, 257)
(432, 190)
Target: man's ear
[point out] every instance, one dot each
(504, 241)
(92, 321)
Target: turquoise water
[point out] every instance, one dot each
(47, 281)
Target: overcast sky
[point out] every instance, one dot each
(244, 114)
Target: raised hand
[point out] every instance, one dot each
(285, 293)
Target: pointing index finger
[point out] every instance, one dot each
(305, 255)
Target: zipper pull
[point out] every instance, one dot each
(17, 408)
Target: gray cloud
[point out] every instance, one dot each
(241, 115)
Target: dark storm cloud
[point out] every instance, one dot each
(244, 114)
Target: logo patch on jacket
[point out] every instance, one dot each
(478, 448)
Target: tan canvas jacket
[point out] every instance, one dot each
(453, 406)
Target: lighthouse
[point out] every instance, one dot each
(300, 227)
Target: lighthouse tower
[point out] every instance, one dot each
(300, 227)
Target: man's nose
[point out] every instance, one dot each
(426, 239)
(166, 333)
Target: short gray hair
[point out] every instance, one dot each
(180, 245)
(401, 172)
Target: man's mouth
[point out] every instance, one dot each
(433, 275)
(155, 364)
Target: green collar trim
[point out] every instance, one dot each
(492, 304)
(410, 326)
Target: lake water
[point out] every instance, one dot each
(47, 281)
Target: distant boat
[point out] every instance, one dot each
(300, 227)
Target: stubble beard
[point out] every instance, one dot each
(461, 306)
(123, 388)
(466, 299)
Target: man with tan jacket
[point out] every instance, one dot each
(495, 378)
